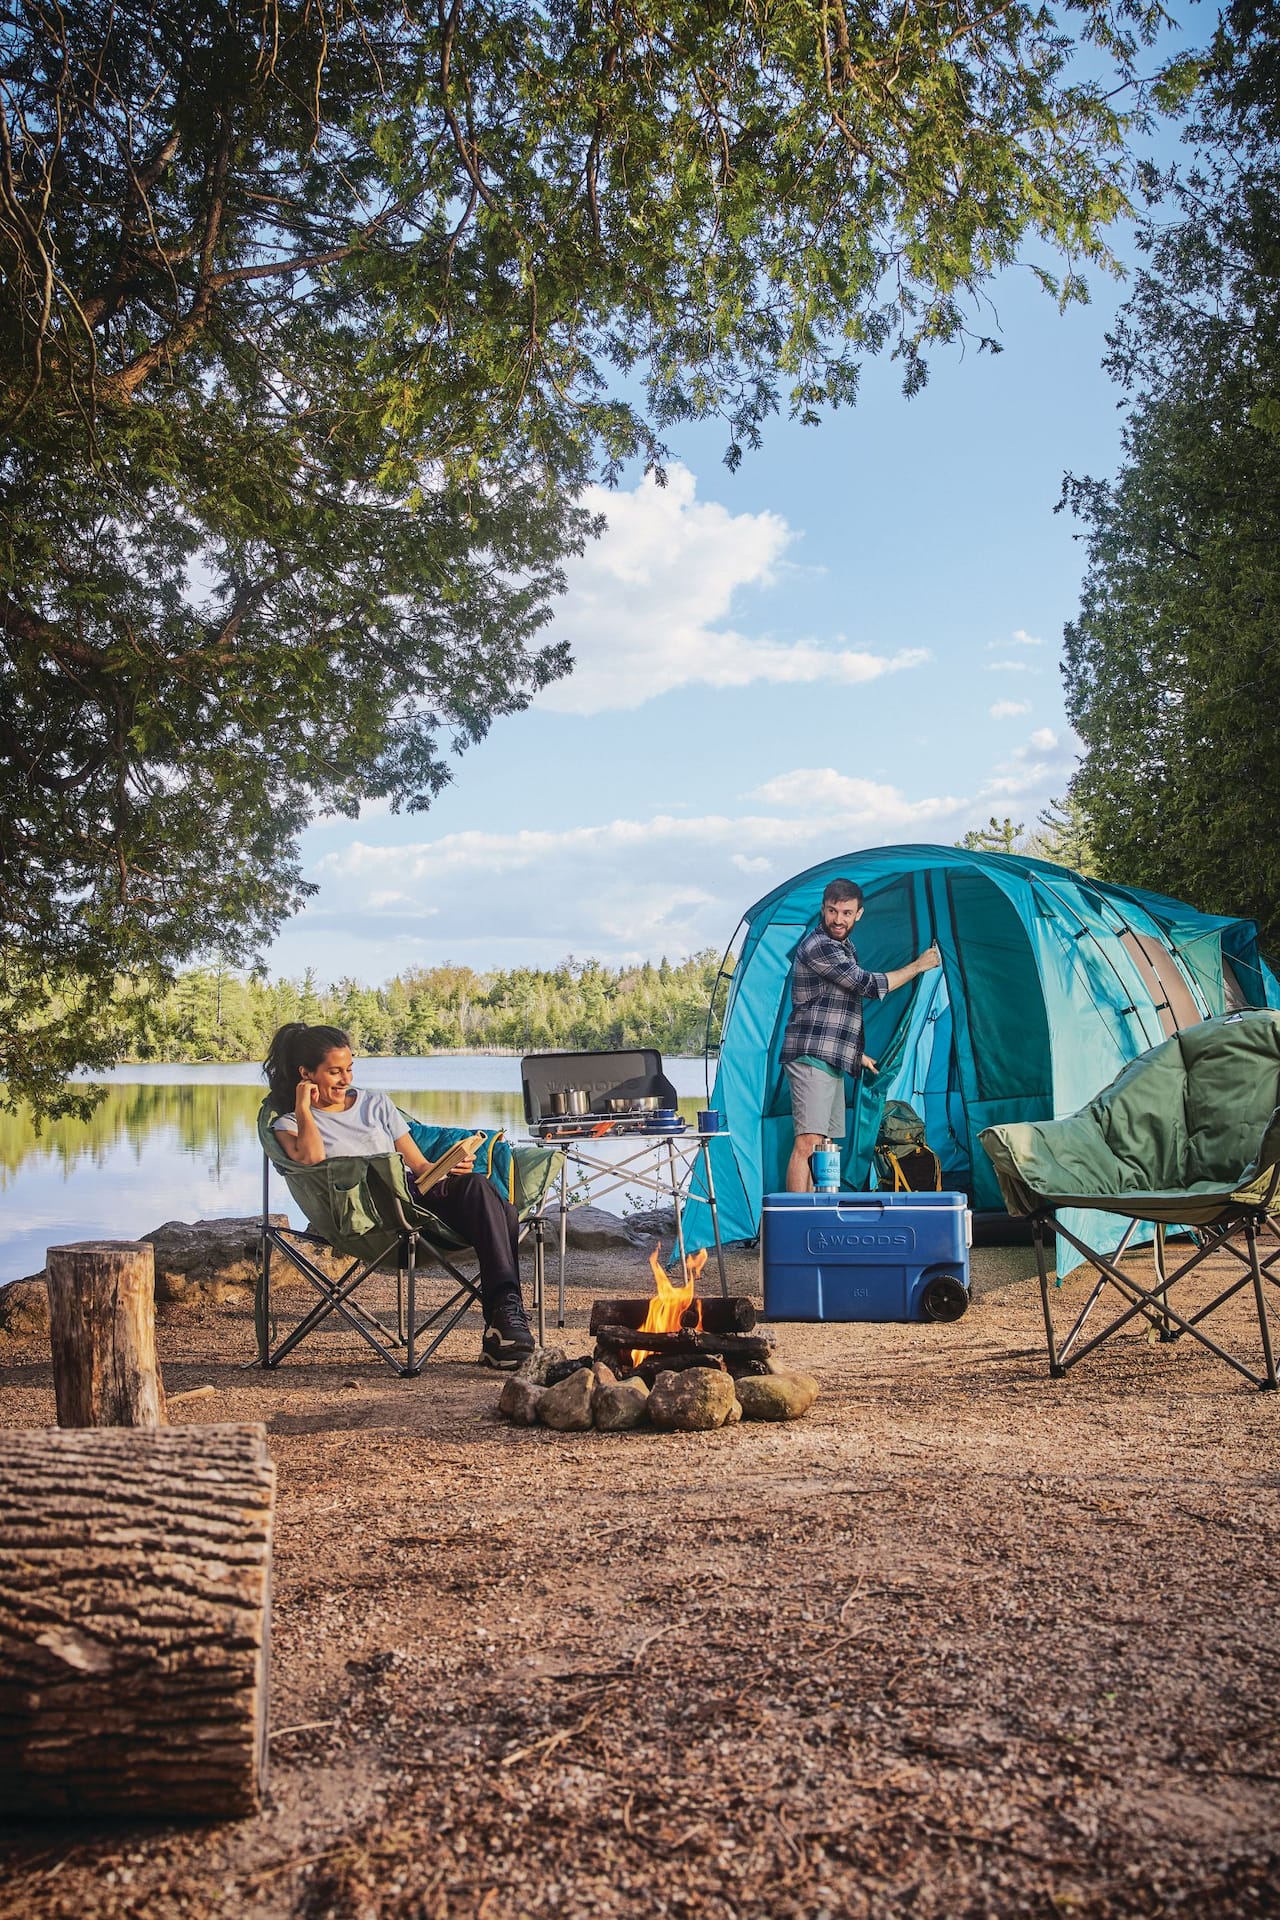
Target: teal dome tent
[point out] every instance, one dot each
(1049, 983)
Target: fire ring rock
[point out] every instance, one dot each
(567, 1405)
(691, 1401)
(776, 1396)
(519, 1400)
(622, 1405)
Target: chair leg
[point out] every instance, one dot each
(1037, 1234)
(412, 1250)
(1264, 1327)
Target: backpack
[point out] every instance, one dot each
(905, 1162)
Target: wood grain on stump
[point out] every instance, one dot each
(134, 1620)
(102, 1328)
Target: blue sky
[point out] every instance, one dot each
(852, 641)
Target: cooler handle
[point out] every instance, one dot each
(865, 1210)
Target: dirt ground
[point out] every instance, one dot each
(963, 1641)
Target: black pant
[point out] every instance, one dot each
(474, 1208)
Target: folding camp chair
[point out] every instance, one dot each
(1187, 1137)
(362, 1209)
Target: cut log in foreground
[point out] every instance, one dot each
(102, 1328)
(134, 1621)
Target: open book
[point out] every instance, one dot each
(439, 1169)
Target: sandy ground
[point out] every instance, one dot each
(963, 1641)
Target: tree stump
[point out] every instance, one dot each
(102, 1328)
(134, 1621)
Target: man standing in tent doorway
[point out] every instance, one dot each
(823, 1040)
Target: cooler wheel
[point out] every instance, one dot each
(945, 1298)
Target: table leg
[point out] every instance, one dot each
(704, 1148)
(564, 1234)
(676, 1184)
(540, 1275)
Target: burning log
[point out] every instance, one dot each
(730, 1346)
(735, 1315)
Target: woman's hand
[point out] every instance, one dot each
(307, 1095)
(465, 1165)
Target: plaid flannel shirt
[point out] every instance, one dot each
(828, 988)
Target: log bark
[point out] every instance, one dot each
(102, 1328)
(739, 1346)
(737, 1314)
(134, 1621)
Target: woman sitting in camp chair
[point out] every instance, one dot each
(321, 1113)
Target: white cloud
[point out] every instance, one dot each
(627, 888)
(1010, 666)
(1034, 771)
(646, 603)
(1008, 709)
(845, 797)
(1018, 638)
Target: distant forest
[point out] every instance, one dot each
(215, 1014)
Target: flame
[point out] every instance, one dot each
(670, 1303)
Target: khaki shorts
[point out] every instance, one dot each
(817, 1099)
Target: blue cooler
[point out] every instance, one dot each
(865, 1256)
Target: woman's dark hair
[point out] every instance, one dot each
(295, 1046)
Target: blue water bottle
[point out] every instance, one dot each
(824, 1165)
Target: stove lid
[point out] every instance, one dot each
(638, 1070)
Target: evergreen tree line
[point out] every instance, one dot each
(213, 1013)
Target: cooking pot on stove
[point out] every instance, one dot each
(567, 1100)
(632, 1103)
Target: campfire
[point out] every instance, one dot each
(667, 1359)
(672, 1328)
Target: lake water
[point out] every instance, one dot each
(179, 1143)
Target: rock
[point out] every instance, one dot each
(735, 1413)
(537, 1367)
(24, 1308)
(590, 1230)
(217, 1259)
(691, 1401)
(777, 1395)
(520, 1399)
(652, 1223)
(605, 1376)
(561, 1369)
(622, 1405)
(567, 1405)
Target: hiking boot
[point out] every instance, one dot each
(507, 1336)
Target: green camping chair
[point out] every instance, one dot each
(1186, 1136)
(363, 1210)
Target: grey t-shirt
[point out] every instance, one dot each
(371, 1124)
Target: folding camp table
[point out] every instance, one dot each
(664, 1163)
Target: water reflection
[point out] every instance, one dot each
(186, 1148)
(154, 1153)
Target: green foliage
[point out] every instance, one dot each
(209, 1014)
(998, 836)
(1062, 833)
(315, 319)
(1172, 669)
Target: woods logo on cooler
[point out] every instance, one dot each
(850, 1240)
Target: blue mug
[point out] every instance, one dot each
(709, 1121)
